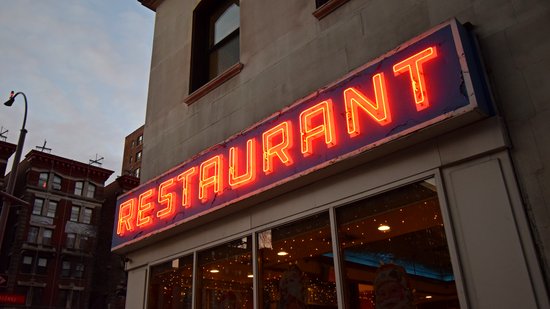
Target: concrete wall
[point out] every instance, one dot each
(287, 53)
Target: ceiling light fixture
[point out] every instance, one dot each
(282, 253)
(214, 271)
(384, 228)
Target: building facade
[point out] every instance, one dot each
(133, 148)
(288, 162)
(50, 244)
(6, 150)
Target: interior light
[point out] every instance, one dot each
(428, 296)
(250, 276)
(282, 253)
(384, 228)
(214, 271)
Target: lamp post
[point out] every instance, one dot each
(13, 173)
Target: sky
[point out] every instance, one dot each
(84, 67)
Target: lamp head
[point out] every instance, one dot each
(10, 101)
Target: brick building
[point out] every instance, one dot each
(50, 245)
(133, 148)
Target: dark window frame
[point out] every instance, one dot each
(204, 18)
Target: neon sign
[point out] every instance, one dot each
(422, 83)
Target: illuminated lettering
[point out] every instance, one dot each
(249, 175)
(309, 132)
(126, 216)
(210, 176)
(144, 216)
(168, 198)
(185, 178)
(414, 65)
(272, 149)
(378, 110)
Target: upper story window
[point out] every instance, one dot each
(75, 213)
(91, 191)
(140, 140)
(138, 156)
(86, 215)
(78, 187)
(137, 172)
(43, 180)
(56, 184)
(215, 40)
(52, 208)
(38, 206)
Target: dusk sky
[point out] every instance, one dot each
(84, 67)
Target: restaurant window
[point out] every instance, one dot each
(38, 206)
(224, 276)
(78, 187)
(43, 180)
(56, 183)
(170, 284)
(395, 252)
(296, 265)
(215, 40)
(91, 190)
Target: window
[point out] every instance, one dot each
(38, 206)
(87, 215)
(32, 236)
(325, 7)
(78, 271)
(26, 264)
(78, 186)
(42, 265)
(85, 243)
(296, 264)
(131, 160)
(70, 240)
(43, 180)
(224, 273)
(395, 250)
(140, 140)
(75, 213)
(215, 40)
(65, 269)
(52, 207)
(56, 184)
(137, 172)
(47, 237)
(164, 294)
(91, 191)
(138, 156)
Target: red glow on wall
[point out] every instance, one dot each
(322, 114)
(415, 66)
(276, 144)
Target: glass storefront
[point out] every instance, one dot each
(392, 250)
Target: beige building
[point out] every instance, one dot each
(343, 154)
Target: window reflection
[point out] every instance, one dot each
(170, 284)
(395, 252)
(296, 265)
(224, 276)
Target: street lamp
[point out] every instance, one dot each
(13, 173)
